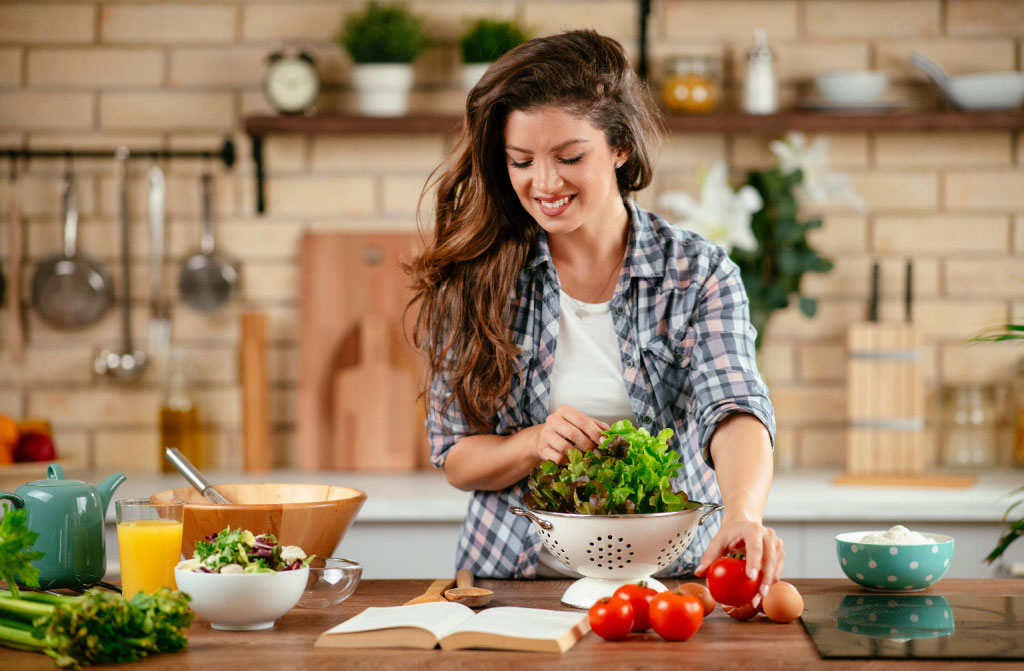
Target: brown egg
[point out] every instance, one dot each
(783, 602)
(701, 592)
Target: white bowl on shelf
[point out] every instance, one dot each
(852, 87)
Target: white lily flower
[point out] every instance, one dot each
(820, 183)
(722, 216)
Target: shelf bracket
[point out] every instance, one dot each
(257, 158)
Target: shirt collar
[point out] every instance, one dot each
(646, 257)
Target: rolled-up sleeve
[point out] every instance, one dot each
(723, 368)
(445, 425)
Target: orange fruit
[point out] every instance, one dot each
(6, 455)
(9, 432)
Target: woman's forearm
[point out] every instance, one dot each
(742, 454)
(492, 462)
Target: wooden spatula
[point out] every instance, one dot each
(434, 593)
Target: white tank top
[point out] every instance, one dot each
(587, 374)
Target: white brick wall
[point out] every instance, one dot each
(183, 73)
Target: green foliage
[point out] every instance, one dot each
(1014, 529)
(772, 273)
(629, 472)
(15, 560)
(97, 628)
(383, 33)
(1001, 333)
(488, 39)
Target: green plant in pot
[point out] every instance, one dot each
(383, 40)
(483, 42)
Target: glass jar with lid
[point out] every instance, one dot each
(692, 84)
(969, 426)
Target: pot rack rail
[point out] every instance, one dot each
(225, 153)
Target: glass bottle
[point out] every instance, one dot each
(760, 88)
(692, 84)
(179, 416)
(969, 426)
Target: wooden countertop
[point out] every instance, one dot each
(721, 643)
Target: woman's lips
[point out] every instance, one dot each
(555, 207)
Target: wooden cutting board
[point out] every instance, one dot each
(343, 277)
(372, 426)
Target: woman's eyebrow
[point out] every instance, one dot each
(555, 148)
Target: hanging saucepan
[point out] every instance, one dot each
(71, 290)
(207, 279)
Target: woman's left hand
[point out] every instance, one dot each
(763, 549)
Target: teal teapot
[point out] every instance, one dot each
(68, 515)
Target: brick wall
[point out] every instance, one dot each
(184, 74)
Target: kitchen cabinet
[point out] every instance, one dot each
(257, 127)
(410, 522)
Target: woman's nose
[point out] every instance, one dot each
(547, 177)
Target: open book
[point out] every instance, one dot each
(452, 625)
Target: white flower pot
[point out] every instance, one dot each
(382, 89)
(471, 74)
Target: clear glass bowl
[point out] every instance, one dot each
(331, 581)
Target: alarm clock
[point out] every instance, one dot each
(291, 83)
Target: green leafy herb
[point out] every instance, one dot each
(15, 560)
(630, 472)
(97, 628)
(1014, 529)
(246, 553)
(383, 33)
(487, 39)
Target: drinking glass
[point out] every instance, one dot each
(148, 543)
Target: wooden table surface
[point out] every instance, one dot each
(720, 644)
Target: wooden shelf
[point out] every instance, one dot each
(721, 122)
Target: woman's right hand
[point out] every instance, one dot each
(568, 427)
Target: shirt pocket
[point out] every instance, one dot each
(668, 359)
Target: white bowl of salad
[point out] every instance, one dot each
(243, 582)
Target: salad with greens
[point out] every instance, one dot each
(630, 472)
(239, 551)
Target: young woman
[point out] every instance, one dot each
(550, 305)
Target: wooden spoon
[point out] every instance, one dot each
(465, 593)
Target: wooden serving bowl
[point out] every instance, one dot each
(314, 517)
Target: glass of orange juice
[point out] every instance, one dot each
(148, 543)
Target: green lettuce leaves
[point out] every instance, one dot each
(630, 472)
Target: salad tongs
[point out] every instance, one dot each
(194, 477)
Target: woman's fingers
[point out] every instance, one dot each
(565, 428)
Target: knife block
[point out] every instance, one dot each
(885, 400)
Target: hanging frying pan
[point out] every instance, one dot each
(71, 290)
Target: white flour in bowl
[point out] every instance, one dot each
(897, 535)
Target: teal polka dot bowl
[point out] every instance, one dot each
(894, 568)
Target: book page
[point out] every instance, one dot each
(523, 622)
(438, 617)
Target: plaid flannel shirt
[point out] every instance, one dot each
(687, 347)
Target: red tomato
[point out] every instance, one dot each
(744, 612)
(676, 617)
(728, 581)
(639, 596)
(611, 617)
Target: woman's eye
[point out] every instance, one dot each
(570, 161)
(516, 164)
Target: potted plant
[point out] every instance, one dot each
(482, 43)
(383, 40)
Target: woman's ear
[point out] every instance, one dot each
(621, 156)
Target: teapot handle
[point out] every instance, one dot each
(55, 472)
(13, 498)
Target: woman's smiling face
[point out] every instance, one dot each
(562, 169)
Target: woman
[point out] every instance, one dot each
(550, 306)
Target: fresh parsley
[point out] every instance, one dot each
(15, 559)
(630, 472)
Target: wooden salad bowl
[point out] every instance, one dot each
(314, 517)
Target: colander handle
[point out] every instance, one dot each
(522, 512)
(711, 508)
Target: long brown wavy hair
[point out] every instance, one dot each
(464, 280)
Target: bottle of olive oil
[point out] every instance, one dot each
(179, 416)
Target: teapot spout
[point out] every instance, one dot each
(107, 487)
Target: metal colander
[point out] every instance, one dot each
(613, 550)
